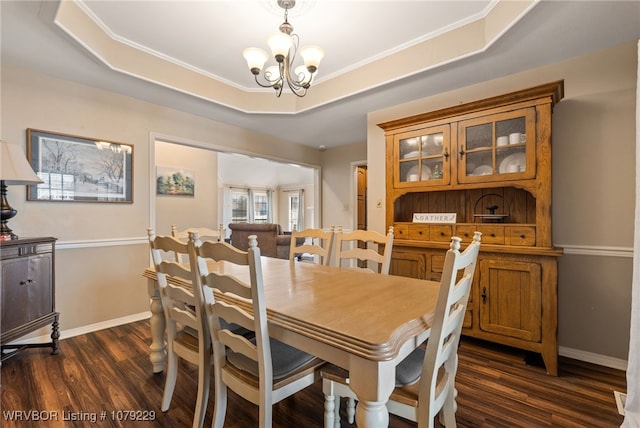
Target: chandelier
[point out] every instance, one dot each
(284, 46)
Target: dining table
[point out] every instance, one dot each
(361, 321)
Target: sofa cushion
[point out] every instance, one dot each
(271, 241)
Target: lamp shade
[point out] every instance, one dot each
(280, 43)
(15, 168)
(255, 58)
(312, 55)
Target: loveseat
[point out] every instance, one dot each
(271, 240)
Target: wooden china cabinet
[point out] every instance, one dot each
(489, 163)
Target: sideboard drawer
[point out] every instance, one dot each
(521, 235)
(440, 232)
(419, 232)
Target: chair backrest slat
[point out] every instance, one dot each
(205, 234)
(362, 245)
(229, 284)
(317, 242)
(234, 315)
(239, 344)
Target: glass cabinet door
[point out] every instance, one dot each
(497, 147)
(423, 157)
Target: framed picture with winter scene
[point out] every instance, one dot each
(79, 169)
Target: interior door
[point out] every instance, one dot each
(361, 174)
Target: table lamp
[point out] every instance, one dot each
(15, 170)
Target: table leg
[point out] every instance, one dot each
(372, 382)
(158, 354)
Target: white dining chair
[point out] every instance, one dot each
(263, 371)
(361, 246)
(425, 379)
(186, 326)
(315, 242)
(205, 234)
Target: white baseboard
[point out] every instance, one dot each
(589, 357)
(66, 334)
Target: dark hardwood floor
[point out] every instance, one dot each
(109, 371)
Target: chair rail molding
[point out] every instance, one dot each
(594, 250)
(94, 243)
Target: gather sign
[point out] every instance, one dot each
(434, 217)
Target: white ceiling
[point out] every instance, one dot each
(241, 170)
(207, 38)
(210, 35)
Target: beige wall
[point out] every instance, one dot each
(102, 247)
(337, 181)
(593, 190)
(201, 210)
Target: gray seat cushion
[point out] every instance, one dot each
(409, 370)
(284, 358)
(235, 328)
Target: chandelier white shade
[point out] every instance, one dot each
(284, 47)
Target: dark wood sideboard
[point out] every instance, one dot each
(27, 292)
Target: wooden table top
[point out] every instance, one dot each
(369, 315)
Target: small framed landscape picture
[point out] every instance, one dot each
(79, 169)
(174, 181)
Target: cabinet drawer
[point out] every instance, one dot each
(492, 234)
(441, 233)
(521, 235)
(400, 231)
(419, 232)
(465, 232)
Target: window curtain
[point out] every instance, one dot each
(300, 209)
(269, 206)
(632, 406)
(251, 218)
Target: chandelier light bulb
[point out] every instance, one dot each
(312, 55)
(255, 59)
(280, 43)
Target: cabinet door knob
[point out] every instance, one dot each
(446, 153)
(484, 295)
(461, 151)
